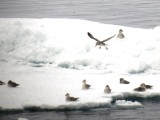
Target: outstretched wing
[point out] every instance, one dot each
(108, 38)
(91, 36)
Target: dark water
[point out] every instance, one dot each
(133, 13)
(150, 111)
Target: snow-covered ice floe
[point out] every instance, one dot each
(51, 57)
(126, 104)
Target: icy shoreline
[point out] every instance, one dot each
(51, 57)
(46, 90)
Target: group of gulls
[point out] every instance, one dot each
(10, 83)
(102, 43)
(99, 43)
(86, 86)
(107, 89)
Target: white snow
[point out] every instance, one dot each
(51, 57)
(123, 103)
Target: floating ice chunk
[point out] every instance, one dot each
(22, 119)
(124, 103)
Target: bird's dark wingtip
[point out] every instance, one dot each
(89, 34)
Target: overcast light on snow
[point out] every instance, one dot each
(51, 57)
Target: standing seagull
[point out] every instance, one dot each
(122, 81)
(107, 89)
(85, 86)
(147, 86)
(142, 88)
(120, 34)
(12, 84)
(2, 83)
(100, 43)
(69, 98)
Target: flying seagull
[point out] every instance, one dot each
(100, 43)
